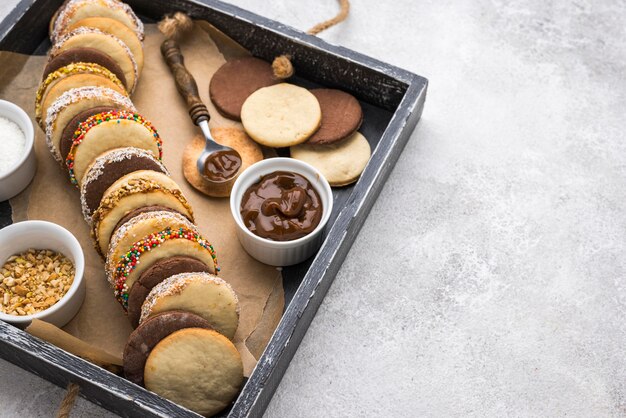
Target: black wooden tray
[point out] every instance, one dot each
(392, 101)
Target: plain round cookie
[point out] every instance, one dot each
(281, 115)
(143, 339)
(340, 163)
(235, 81)
(154, 275)
(201, 293)
(197, 368)
(234, 137)
(341, 116)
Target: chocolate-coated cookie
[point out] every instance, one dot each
(234, 81)
(154, 275)
(341, 116)
(141, 341)
(84, 55)
(108, 168)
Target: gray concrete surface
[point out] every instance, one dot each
(489, 278)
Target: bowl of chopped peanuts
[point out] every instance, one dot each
(41, 273)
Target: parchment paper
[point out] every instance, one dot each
(101, 321)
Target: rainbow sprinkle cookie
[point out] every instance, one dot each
(129, 261)
(104, 118)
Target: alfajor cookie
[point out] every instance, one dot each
(234, 81)
(163, 244)
(69, 77)
(341, 163)
(74, 10)
(143, 339)
(73, 102)
(341, 116)
(134, 190)
(107, 168)
(138, 228)
(231, 136)
(154, 275)
(204, 294)
(109, 44)
(84, 55)
(105, 131)
(281, 115)
(196, 368)
(118, 29)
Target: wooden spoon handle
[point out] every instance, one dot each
(185, 82)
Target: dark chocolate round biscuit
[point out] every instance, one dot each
(67, 135)
(341, 116)
(234, 81)
(130, 215)
(110, 167)
(142, 340)
(90, 55)
(154, 275)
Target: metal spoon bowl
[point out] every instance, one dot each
(210, 149)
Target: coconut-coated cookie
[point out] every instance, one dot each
(154, 275)
(108, 168)
(201, 293)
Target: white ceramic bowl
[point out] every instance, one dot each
(280, 253)
(21, 236)
(16, 178)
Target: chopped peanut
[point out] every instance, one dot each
(33, 281)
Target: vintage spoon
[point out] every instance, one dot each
(217, 163)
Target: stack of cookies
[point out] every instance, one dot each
(161, 270)
(319, 126)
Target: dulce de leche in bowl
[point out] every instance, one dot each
(280, 207)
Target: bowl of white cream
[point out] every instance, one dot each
(17, 150)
